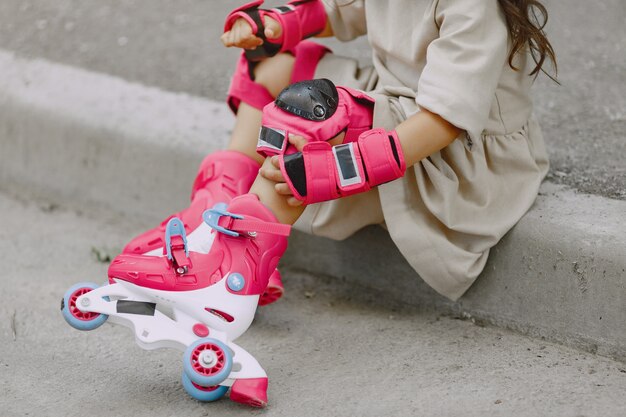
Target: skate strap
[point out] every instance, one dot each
(245, 226)
(176, 243)
(178, 252)
(234, 224)
(175, 237)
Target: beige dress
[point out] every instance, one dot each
(450, 57)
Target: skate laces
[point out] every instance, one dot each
(235, 224)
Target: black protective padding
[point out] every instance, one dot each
(314, 100)
(135, 307)
(272, 137)
(394, 150)
(294, 165)
(283, 9)
(346, 162)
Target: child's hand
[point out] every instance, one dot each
(241, 36)
(273, 173)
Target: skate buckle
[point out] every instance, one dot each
(175, 243)
(213, 216)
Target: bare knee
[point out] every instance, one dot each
(275, 73)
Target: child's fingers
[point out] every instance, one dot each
(294, 202)
(228, 39)
(273, 30)
(297, 141)
(272, 174)
(237, 34)
(224, 38)
(245, 37)
(241, 36)
(283, 189)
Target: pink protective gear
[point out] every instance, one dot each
(274, 291)
(251, 392)
(221, 177)
(248, 244)
(315, 110)
(322, 172)
(319, 111)
(199, 303)
(244, 88)
(298, 19)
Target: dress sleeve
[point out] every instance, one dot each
(347, 18)
(464, 64)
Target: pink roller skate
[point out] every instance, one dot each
(198, 303)
(221, 177)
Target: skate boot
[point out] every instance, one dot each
(221, 177)
(198, 303)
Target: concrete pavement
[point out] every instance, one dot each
(331, 347)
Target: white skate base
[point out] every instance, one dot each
(170, 324)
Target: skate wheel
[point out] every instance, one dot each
(201, 393)
(270, 295)
(274, 290)
(73, 316)
(207, 362)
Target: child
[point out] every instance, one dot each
(437, 140)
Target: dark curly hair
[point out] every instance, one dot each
(526, 20)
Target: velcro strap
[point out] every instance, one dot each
(249, 226)
(291, 27)
(312, 15)
(382, 156)
(320, 170)
(179, 252)
(244, 13)
(243, 225)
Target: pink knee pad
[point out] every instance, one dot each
(315, 110)
(244, 88)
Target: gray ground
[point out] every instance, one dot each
(174, 45)
(360, 354)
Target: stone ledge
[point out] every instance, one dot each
(77, 137)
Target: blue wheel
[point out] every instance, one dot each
(200, 393)
(207, 362)
(73, 316)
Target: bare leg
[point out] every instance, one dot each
(264, 188)
(274, 74)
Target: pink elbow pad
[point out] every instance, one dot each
(322, 172)
(298, 19)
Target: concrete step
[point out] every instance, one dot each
(330, 349)
(175, 46)
(78, 137)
